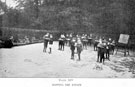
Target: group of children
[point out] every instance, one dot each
(76, 43)
(73, 42)
(104, 48)
(79, 42)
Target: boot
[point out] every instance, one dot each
(50, 51)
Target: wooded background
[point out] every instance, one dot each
(90, 16)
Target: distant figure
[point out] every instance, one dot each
(90, 39)
(107, 50)
(84, 41)
(70, 37)
(72, 47)
(27, 40)
(96, 42)
(46, 40)
(67, 39)
(62, 42)
(50, 43)
(79, 48)
(33, 39)
(101, 52)
(9, 43)
(112, 46)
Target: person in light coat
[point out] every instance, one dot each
(79, 46)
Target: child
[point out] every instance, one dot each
(79, 48)
(46, 39)
(72, 47)
(85, 41)
(66, 40)
(50, 43)
(101, 52)
(62, 42)
(90, 39)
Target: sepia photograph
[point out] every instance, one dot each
(67, 39)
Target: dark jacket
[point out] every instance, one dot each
(72, 45)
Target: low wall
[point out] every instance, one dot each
(19, 33)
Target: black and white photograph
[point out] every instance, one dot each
(67, 39)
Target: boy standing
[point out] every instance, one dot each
(46, 39)
(79, 48)
(72, 47)
(50, 43)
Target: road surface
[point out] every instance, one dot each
(30, 61)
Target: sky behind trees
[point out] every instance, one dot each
(10, 3)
